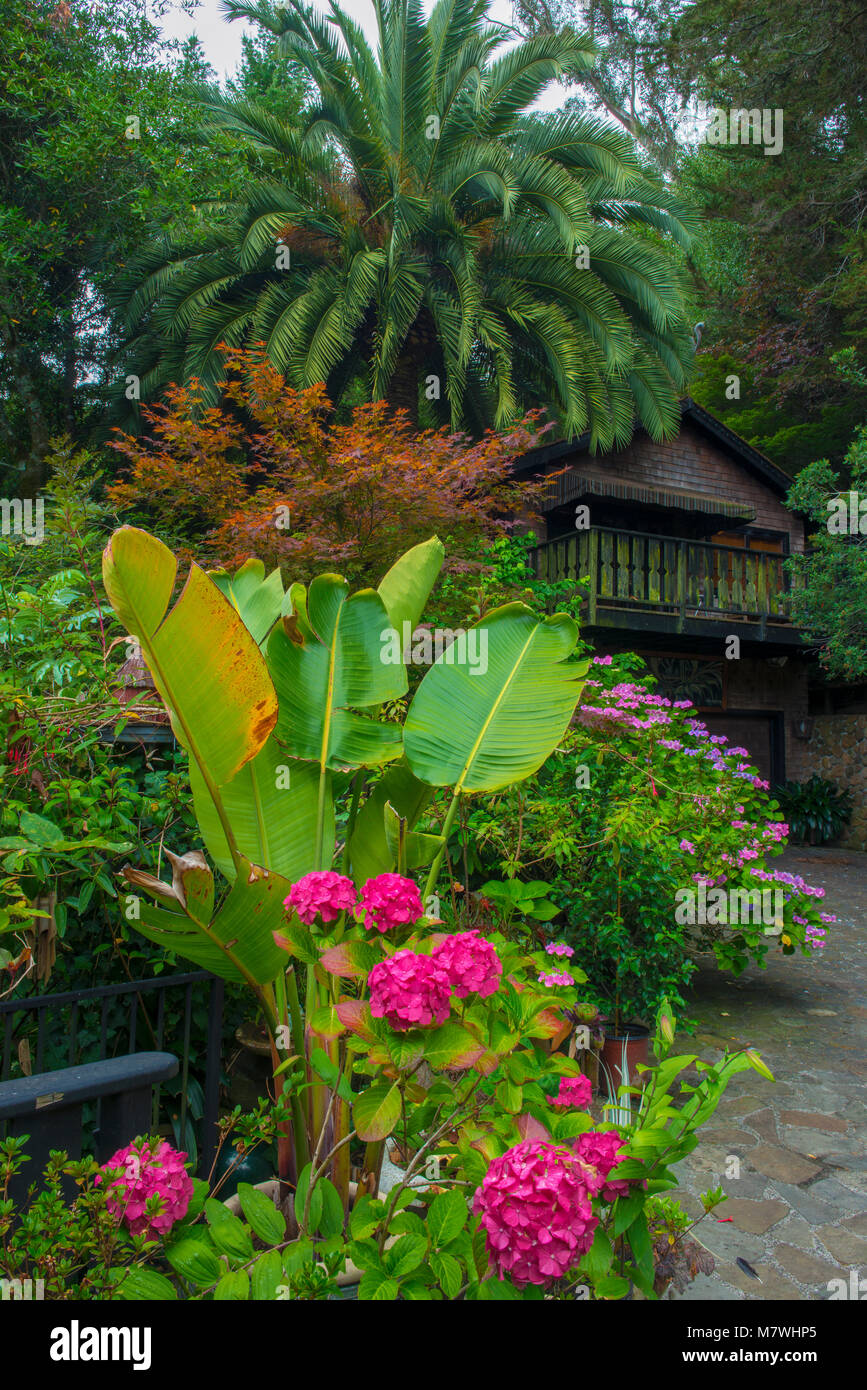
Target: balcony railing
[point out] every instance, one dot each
(667, 575)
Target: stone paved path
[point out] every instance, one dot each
(799, 1206)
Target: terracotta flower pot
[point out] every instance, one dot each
(633, 1041)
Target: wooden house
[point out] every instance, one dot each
(683, 544)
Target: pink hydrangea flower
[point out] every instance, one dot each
(409, 991)
(389, 901)
(149, 1170)
(555, 977)
(576, 1092)
(471, 963)
(600, 1150)
(321, 894)
(559, 948)
(536, 1212)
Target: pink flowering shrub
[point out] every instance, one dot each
(389, 901)
(575, 1092)
(321, 894)
(666, 817)
(600, 1149)
(151, 1169)
(471, 963)
(535, 1205)
(409, 990)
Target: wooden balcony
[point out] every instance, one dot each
(669, 584)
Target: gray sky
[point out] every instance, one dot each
(221, 39)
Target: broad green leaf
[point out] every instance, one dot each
(264, 1218)
(447, 1216)
(298, 941)
(376, 1111)
(227, 1231)
(408, 848)
(145, 1284)
(331, 1221)
(39, 830)
(350, 959)
(238, 944)
(297, 1255)
(497, 1290)
(376, 1287)
(452, 1046)
(612, 1287)
(482, 731)
(205, 664)
(406, 587)
(266, 1276)
(234, 1287)
(326, 1068)
(597, 1261)
(446, 1271)
(641, 1245)
(300, 1201)
(194, 1260)
(625, 1211)
(327, 665)
(256, 599)
(271, 804)
(369, 848)
(405, 1255)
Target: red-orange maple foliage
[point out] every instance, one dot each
(301, 490)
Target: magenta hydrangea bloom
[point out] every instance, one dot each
(149, 1171)
(600, 1150)
(387, 901)
(535, 1208)
(555, 977)
(576, 1092)
(471, 963)
(409, 991)
(321, 894)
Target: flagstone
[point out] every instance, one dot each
(806, 1119)
(783, 1164)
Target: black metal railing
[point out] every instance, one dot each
(86, 1021)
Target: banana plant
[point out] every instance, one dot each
(276, 697)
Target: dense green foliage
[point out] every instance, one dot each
(621, 820)
(422, 232)
(815, 810)
(778, 268)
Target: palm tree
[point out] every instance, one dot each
(424, 228)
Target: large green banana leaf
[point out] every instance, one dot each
(326, 658)
(480, 728)
(370, 850)
(271, 805)
(406, 587)
(204, 662)
(256, 599)
(238, 945)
